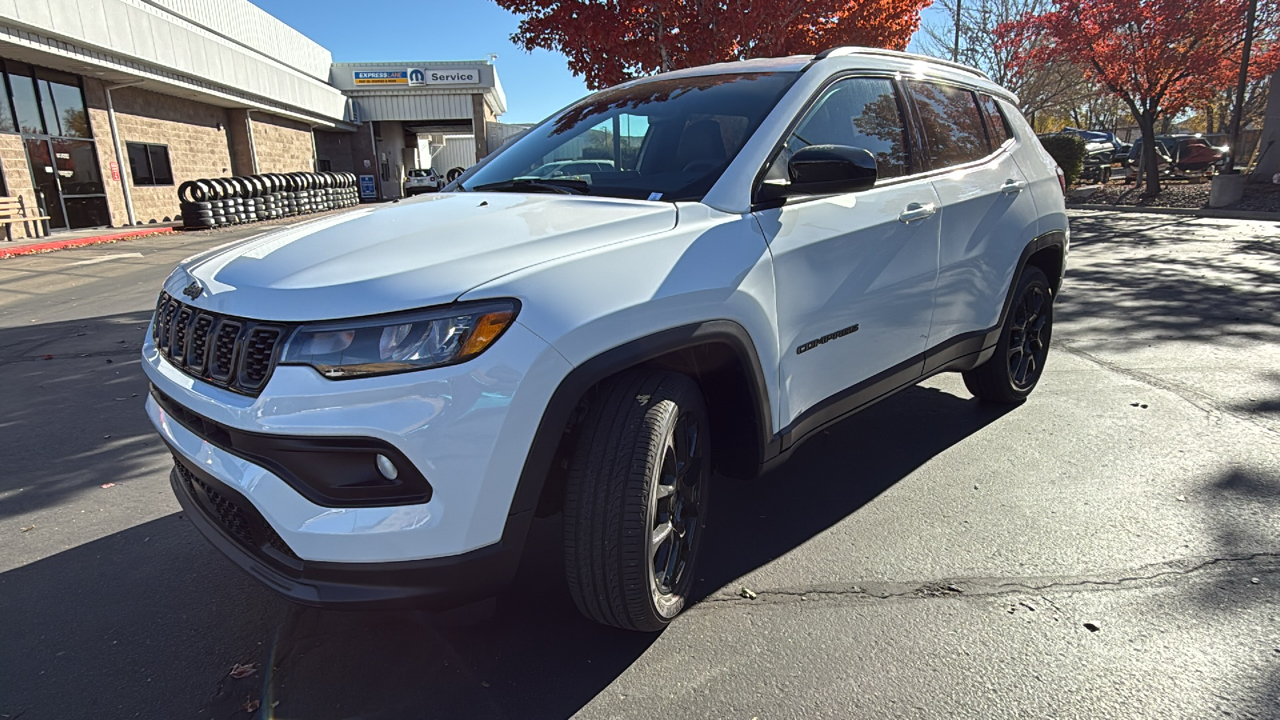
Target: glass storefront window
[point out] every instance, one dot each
(23, 88)
(6, 113)
(63, 104)
(77, 167)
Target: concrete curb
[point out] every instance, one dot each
(1193, 212)
(79, 242)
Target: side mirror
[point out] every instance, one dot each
(831, 169)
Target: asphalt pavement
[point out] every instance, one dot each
(1107, 550)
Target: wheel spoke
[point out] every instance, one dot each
(666, 491)
(660, 535)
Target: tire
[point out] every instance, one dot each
(1015, 368)
(636, 430)
(454, 174)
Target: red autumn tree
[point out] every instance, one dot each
(1158, 56)
(609, 41)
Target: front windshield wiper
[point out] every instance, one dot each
(564, 187)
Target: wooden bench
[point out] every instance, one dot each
(14, 210)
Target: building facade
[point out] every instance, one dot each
(109, 105)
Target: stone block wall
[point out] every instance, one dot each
(17, 180)
(195, 133)
(282, 146)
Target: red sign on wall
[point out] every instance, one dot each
(115, 171)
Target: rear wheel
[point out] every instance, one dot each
(1012, 373)
(636, 499)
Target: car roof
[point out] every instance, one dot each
(846, 58)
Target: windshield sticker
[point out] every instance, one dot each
(655, 196)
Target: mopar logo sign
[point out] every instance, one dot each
(417, 77)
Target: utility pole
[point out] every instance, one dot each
(955, 49)
(1237, 113)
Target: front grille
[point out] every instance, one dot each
(233, 353)
(245, 527)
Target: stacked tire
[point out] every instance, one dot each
(217, 202)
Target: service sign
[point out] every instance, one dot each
(451, 76)
(381, 77)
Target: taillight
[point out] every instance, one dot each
(1062, 179)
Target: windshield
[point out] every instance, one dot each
(661, 140)
(419, 173)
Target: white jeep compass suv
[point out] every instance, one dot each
(369, 409)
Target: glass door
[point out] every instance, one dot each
(45, 176)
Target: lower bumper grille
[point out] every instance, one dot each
(235, 517)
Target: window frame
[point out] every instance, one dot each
(911, 136)
(133, 176)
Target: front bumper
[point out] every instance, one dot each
(233, 526)
(467, 428)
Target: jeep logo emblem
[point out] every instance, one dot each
(193, 290)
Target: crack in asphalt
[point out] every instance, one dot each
(1207, 404)
(1260, 562)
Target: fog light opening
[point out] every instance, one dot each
(386, 467)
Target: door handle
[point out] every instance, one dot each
(1013, 187)
(917, 211)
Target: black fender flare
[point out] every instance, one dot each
(564, 400)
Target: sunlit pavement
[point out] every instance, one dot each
(1109, 549)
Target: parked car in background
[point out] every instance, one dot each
(1182, 156)
(422, 180)
(571, 169)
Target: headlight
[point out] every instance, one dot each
(398, 343)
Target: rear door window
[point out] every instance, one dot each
(952, 123)
(997, 123)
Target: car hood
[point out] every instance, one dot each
(412, 254)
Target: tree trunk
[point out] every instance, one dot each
(1147, 123)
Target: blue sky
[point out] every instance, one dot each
(537, 84)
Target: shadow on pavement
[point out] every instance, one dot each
(1162, 289)
(72, 410)
(149, 621)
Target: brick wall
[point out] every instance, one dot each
(17, 179)
(197, 147)
(281, 145)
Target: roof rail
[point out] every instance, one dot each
(856, 50)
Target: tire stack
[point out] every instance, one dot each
(242, 199)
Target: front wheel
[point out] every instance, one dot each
(636, 500)
(1015, 368)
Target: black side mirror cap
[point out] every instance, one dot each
(831, 169)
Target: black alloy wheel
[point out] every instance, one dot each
(1029, 336)
(677, 496)
(1020, 354)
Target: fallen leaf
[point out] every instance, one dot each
(28, 528)
(242, 671)
(747, 593)
(250, 705)
(1091, 627)
(108, 485)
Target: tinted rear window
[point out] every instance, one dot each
(997, 123)
(952, 123)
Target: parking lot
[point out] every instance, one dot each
(1109, 549)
